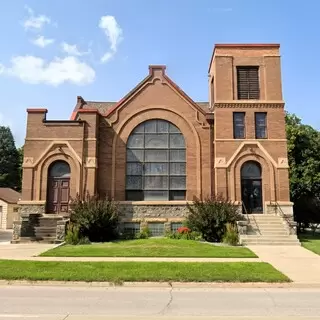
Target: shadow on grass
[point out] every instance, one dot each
(309, 236)
(310, 241)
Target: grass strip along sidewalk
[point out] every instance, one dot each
(140, 271)
(311, 242)
(151, 248)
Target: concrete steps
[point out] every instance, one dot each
(46, 229)
(49, 240)
(268, 230)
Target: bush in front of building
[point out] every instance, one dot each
(145, 233)
(210, 217)
(73, 236)
(231, 235)
(96, 219)
(184, 233)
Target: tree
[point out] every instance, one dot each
(304, 162)
(9, 160)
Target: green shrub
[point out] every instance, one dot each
(72, 235)
(84, 240)
(96, 219)
(172, 235)
(209, 217)
(144, 234)
(231, 235)
(127, 235)
(192, 235)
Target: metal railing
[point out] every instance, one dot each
(282, 214)
(250, 217)
(245, 209)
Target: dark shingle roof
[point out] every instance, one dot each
(104, 107)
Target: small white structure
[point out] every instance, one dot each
(9, 208)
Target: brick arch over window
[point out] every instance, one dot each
(267, 175)
(43, 169)
(193, 152)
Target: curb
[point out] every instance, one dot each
(154, 285)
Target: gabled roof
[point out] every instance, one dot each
(107, 108)
(9, 195)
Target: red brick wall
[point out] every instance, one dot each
(268, 152)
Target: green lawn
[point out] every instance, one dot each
(154, 247)
(140, 271)
(311, 242)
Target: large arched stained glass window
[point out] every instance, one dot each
(156, 162)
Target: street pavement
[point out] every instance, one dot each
(57, 303)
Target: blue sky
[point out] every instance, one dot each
(53, 51)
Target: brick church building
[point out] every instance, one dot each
(156, 148)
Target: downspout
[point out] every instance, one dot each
(210, 120)
(83, 173)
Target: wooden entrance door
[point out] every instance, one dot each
(58, 195)
(58, 191)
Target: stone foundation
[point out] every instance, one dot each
(61, 230)
(153, 212)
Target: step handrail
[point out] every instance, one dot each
(247, 215)
(282, 214)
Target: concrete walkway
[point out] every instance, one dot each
(5, 236)
(296, 262)
(23, 251)
(142, 259)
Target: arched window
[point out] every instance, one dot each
(59, 169)
(251, 170)
(156, 162)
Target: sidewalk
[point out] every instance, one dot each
(22, 251)
(296, 262)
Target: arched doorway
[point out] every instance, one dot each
(156, 162)
(58, 189)
(251, 187)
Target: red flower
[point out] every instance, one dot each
(183, 230)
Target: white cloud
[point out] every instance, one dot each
(42, 42)
(113, 32)
(35, 22)
(72, 49)
(35, 70)
(106, 57)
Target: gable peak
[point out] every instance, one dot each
(156, 70)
